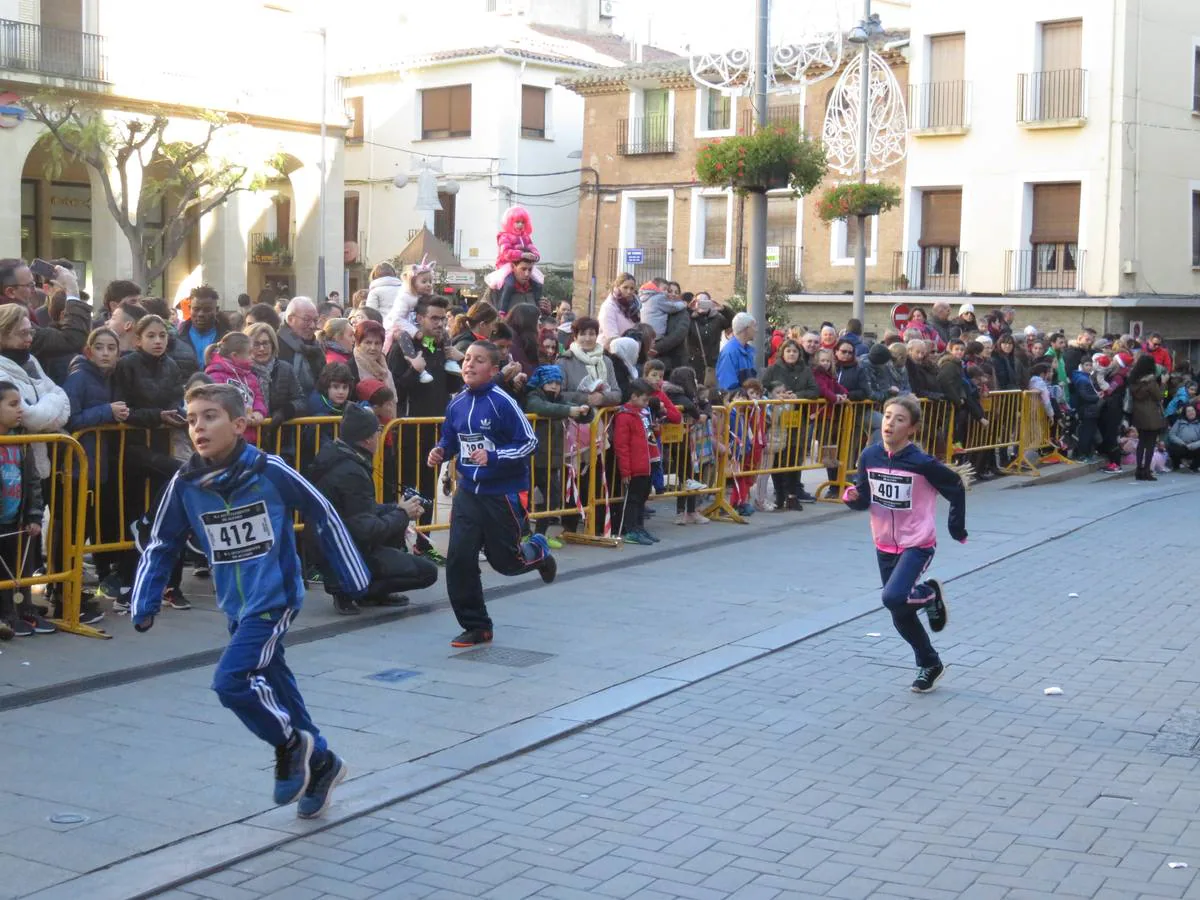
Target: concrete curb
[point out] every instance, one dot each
(201, 855)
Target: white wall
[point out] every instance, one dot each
(391, 109)
(997, 157)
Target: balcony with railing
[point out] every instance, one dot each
(57, 52)
(272, 249)
(1045, 269)
(789, 114)
(930, 270)
(783, 267)
(939, 107)
(645, 135)
(643, 263)
(1056, 99)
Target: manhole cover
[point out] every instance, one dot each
(68, 819)
(393, 675)
(504, 656)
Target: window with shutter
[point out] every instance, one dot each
(354, 108)
(533, 111)
(1196, 228)
(446, 112)
(350, 217)
(650, 223)
(1055, 214)
(283, 219)
(782, 213)
(443, 219)
(713, 222)
(946, 93)
(1060, 83)
(941, 218)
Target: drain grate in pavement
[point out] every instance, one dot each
(504, 656)
(1179, 735)
(393, 675)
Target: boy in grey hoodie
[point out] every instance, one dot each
(656, 305)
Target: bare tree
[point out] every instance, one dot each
(182, 178)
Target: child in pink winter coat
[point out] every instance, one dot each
(229, 363)
(513, 241)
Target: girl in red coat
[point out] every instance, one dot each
(631, 443)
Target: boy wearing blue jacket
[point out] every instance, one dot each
(239, 504)
(492, 441)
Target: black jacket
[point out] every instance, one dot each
(704, 340)
(854, 380)
(343, 474)
(923, 380)
(671, 348)
(56, 345)
(798, 379)
(306, 359)
(416, 399)
(149, 386)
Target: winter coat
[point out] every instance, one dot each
(56, 345)
(90, 392)
(47, 408)
(306, 359)
(1147, 412)
(185, 346)
(343, 473)
(1183, 434)
(415, 398)
(1008, 372)
(382, 294)
(796, 378)
(615, 320)
(183, 353)
(952, 381)
(923, 379)
(551, 436)
(735, 364)
(30, 510)
(854, 379)
(1086, 398)
(284, 396)
(1162, 356)
(704, 339)
(574, 372)
(670, 346)
(631, 443)
(513, 292)
(149, 386)
(656, 308)
(827, 386)
(860, 346)
(223, 370)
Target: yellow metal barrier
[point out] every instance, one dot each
(1003, 410)
(936, 434)
(402, 464)
(62, 534)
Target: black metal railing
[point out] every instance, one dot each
(790, 114)
(930, 270)
(653, 262)
(644, 135)
(783, 266)
(1051, 268)
(939, 105)
(272, 249)
(52, 51)
(1052, 96)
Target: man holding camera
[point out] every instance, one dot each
(342, 472)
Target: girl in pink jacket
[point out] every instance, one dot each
(229, 363)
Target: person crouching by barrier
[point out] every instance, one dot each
(342, 472)
(489, 436)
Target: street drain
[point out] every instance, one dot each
(504, 656)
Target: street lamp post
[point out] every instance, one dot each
(321, 295)
(756, 274)
(860, 251)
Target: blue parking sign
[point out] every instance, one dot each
(635, 257)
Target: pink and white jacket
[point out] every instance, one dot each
(901, 490)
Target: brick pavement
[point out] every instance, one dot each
(813, 772)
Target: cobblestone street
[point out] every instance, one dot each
(814, 772)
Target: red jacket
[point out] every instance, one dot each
(828, 385)
(630, 442)
(671, 412)
(1162, 356)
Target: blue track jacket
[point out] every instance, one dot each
(241, 515)
(488, 417)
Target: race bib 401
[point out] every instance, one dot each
(891, 490)
(239, 534)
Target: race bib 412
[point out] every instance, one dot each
(239, 534)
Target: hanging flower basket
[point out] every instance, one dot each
(856, 199)
(772, 158)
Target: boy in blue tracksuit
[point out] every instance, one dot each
(239, 503)
(488, 434)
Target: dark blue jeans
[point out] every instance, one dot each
(903, 597)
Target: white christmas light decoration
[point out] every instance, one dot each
(887, 121)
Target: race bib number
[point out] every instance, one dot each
(239, 534)
(469, 443)
(892, 491)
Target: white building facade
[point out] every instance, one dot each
(110, 55)
(1055, 156)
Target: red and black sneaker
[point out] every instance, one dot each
(473, 637)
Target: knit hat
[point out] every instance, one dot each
(966, 308)
(358, 424)
(1125, 359)
(879, 355)
(543, 375)
(649, 286)
(1030, 331)
(1102, 360)
(368, 388)
(984, 339)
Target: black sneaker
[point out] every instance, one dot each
(936, 610)
(472, 637)
(90, 613)
(31, 617)
(320, 787)
(19, 627)
(173, 597)
(393, 600)
(345, 606)
(927, 678)
(140, 529)
(805, 497)
(202, 570)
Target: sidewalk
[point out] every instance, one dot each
(158, 761)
